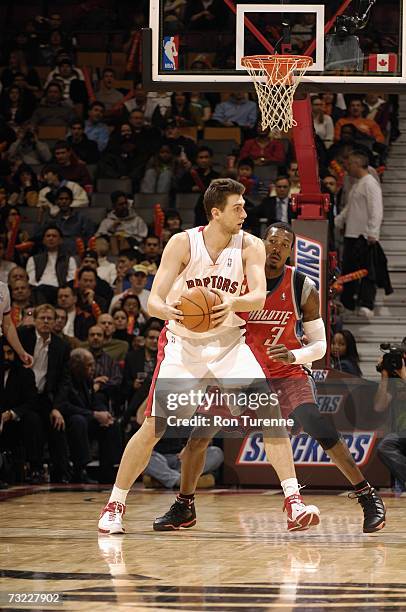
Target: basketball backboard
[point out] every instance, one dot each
(355, 44)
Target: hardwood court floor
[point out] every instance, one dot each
(238, 557)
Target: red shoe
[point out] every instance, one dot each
(300, 516)
(111, 518)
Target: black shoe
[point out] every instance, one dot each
(179, 516)
(373, 508)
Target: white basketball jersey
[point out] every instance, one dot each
(226, 275)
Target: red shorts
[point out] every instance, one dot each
(293, 391)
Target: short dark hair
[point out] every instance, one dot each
(64, 190)
(97, 103)
(129, 253)
(115, 195)
(73, 289)
(62, 144)
(361, 157)
(204, 148)
(76, 122)
(108, 69)
(282, 177)
(246, 161)
(86, 269)
(130, 296)
(283, 226)
(51, 226)
(54, 84)
(150, 236)
(217, 193)
(51, 168)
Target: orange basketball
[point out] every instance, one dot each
(196, 305)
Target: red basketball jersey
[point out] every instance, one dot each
(279, 322)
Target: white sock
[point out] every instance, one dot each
(120, 495)
(290, 486)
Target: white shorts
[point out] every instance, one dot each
(223, 357)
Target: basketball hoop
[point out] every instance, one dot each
(276, 78)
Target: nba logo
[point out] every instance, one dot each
(229, 262)
(283, 297)
(170, 57)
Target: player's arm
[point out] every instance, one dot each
(315, 332)
(175, 256)
(254, 260)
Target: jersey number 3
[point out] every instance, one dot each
(275, 333)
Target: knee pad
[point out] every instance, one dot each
(316, 425)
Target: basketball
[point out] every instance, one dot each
(196, 305)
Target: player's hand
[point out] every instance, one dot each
(280, 353)
(221, 311)
(89, 296)
(170, 312)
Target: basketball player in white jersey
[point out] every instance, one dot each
(220, 257)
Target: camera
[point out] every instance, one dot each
(393, 358)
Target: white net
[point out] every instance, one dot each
(276, 78)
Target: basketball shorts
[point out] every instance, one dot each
(293, 391)
(186, 364)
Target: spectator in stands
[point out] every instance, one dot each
(205, 15)
(52, 50)
(147, 138)
(21, 299)
(123, 158)
(49, 194)
(86, 150)
(356, 118)
(115, 348)
(138, 276)
(344, 353)
(150, 257)
(25, 186)
(106, 269)
(246, 176)
(333, 105)
(159, 172)
(28, 146)
(238, 110)
(79, 320)
(120, 319)
(123, 222)
(70, 222)
(14, 235)
(87, 416)
(350, 139)
(138, 371)
(52, 110)
(132, 307)
(200, 107)
(5, 266)
(95, 128)
(108, 376)
(273, 208)
(14, 108)
(17, 274)
(181, 110)
(106, 92)
(18, 417)
(50, 367)
(197, 179)
(179, 144)
(88, 299)
(16, 65)
(51, 268)
(362, 217)
(68, 165)
(61, 319)
(172, 225)
(323, 123)
(377, 110)
(126, 259)
(266, 148)
(90, 259)
(71, 79)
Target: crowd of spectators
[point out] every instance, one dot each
(79, 283)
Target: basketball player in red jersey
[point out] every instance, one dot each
(272, 334)
(219, 256)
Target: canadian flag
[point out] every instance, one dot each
(383, 62)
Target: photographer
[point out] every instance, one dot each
(27, 146)
(392, 394)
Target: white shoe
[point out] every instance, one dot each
(111, 518)
(300, 516)
(366, 312)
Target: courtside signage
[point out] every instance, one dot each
(307, 451)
